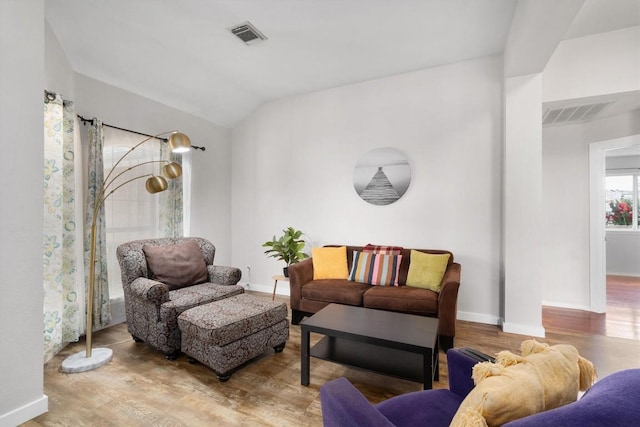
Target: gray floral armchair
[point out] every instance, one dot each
(163, 278)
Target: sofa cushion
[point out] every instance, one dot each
(381, 249)
(404, 299)
(333, 290)
(330, 263)
(427, 270)
(191, 296)
(176, 265)
(375, 269)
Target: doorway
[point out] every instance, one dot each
(597, 236)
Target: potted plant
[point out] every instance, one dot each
(287, 248)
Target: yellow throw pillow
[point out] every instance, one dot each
(426, 270)
(330, 263)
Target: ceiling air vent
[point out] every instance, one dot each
(247, 33)
(574, 114)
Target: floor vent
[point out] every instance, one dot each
(576, 113)
(247, 33)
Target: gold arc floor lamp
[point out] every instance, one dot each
(179, 143)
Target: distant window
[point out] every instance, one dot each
(621, 201)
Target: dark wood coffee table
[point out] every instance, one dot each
(396, 344)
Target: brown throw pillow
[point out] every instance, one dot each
(177, 265)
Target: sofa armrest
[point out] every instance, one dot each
(223, 275)
(343, 405)
(149, 290)
(448, 301)
(299, 274)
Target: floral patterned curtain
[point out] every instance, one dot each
(170, 205)
(95, 178)
(62, 254)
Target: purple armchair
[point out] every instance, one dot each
(612, 401)
(343, 405)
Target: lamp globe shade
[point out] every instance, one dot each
(172, 170)
(179, 143)
(156, 184)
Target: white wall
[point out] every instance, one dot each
(565, 181)
(623, 253)
(594, 65)
(21, 139)
(583, 67)
(211, 172)
(59, 76)
(522, 211)
(565, 217)
(293, 163)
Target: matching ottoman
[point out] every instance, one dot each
(225, 334)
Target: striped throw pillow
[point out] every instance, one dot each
(375, 269)
(381, 249)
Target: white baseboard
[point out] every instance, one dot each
(565, 305)
(520, 329)
(25, 413)
(478, 318)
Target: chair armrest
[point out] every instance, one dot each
(149, 290)
(299, 274)
(448, 301)
(611, 401)
(343, 405)
(223, 275)
(460, 363)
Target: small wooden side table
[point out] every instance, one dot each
(281, 278)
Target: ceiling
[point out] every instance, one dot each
(180, 53)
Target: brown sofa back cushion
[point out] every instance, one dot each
(406, 259)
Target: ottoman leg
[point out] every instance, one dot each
(279, 347)
(172, 355)
(223, 377)
(191, 360)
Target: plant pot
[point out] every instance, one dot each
(285, 271)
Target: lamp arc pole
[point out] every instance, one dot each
(178, 142)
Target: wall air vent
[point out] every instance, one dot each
(574, 114)
(247, 33)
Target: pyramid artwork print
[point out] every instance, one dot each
(381, 176)
(379, 191)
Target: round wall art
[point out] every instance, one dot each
(381, 176)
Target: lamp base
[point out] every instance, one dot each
(78, 362)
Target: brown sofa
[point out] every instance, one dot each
(308, 296)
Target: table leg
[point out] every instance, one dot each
(304, 357)
(427, 361)
(436, 360)
(275, 284)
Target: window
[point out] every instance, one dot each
(131, 213)
(622, 201)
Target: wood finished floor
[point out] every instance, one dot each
(140, 388)
(621, 320)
